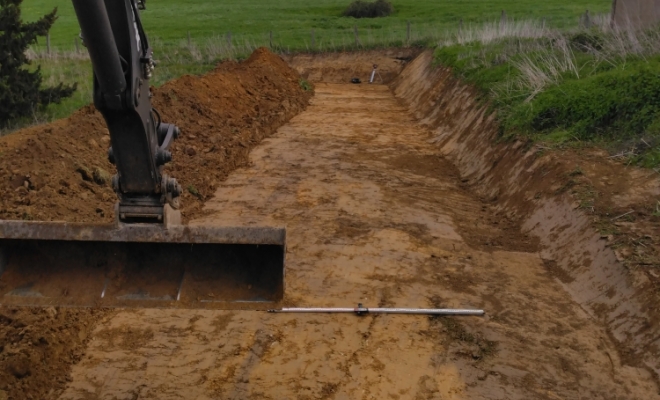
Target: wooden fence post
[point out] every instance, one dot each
(313, 40)
(189, 40)
(271, 39)
(586, 20)
(543, 23)
(460, 26)
(408, 33)
(503, 19)
(48, 43)
(357, 36)
(229, 39)
(75, 42)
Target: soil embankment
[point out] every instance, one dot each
(596, 218)
(60, 172)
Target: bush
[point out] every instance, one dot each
(587, 41)
(20, 89)
(364, 9)
(618, 104)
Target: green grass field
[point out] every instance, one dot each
(292, 21)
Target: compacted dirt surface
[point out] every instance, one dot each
(373, 215)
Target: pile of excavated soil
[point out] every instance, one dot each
(60, 172)
(38, 347)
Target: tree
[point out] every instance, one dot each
(20, 89)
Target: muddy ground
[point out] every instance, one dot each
(375, 213)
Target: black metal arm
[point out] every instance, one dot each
(123, 64)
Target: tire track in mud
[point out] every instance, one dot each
(367, 223)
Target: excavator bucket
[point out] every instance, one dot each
(140, 265)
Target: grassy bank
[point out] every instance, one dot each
(594, 85)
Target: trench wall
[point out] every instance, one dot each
(526, 185)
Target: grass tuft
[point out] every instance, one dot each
(306, 86)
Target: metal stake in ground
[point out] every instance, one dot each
(373, 74)
(360, 310)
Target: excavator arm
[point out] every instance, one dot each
(123, 64)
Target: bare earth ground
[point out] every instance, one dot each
(373, 215)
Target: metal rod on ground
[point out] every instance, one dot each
(373, 74)
(359, 310)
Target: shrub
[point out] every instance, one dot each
(20, 89)
(586, 41)
(304, 85)
(365, 9)
(617, 104)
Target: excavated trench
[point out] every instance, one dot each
(386, 204)
(396, 194)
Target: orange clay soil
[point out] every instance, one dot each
(60, 172)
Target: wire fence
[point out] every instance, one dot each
(231, 45)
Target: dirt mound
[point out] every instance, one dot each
(38, 346)
(60, 171)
